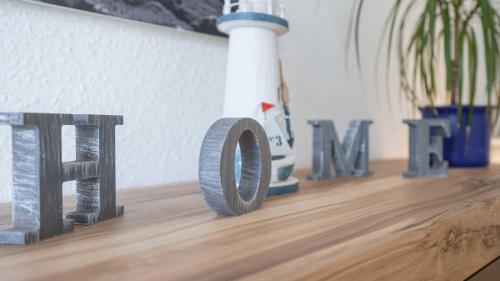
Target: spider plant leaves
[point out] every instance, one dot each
(472, 56)
(447, 27)
(490, 24)
(357, 28)
(432, 18)
(392, 20)
(405, 84)
(486, 20)
(446, 22)
(459, 71)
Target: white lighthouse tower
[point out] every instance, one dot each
(254, 83)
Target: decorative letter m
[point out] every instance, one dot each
(350, 158)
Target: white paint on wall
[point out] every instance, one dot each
(169, 84)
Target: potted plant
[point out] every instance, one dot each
(451, 44)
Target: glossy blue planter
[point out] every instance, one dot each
(462, 150)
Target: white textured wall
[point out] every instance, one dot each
(169, 84)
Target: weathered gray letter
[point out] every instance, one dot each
(426, 149)
(216, 167)
(349, 158)
(38, 174)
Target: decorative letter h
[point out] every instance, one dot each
(38, 174)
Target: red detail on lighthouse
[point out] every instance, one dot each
(266, 106)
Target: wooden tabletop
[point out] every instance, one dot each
(382, 227)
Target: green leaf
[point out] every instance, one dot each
(472, 56)
(446, 21)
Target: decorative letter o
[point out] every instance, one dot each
(216, 167)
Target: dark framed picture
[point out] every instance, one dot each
(194, 15)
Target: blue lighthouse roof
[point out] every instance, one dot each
(253, 16)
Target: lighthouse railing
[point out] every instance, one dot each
(271, 7)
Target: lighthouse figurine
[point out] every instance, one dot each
(254, 83)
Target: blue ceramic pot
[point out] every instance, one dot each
(462, 149)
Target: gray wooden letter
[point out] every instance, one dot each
(95, 143)
(38, 174)
(216, 167)
(426, 151)
(350, 158)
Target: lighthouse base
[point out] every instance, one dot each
(290, 185)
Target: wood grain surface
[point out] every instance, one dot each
(382, 227)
